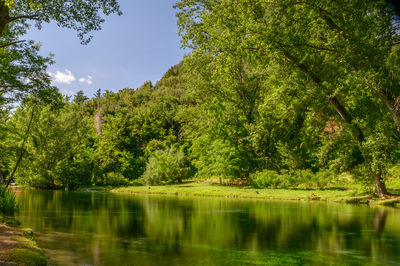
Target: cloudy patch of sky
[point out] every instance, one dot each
(67, 77)
(139, 46)
(62, 77)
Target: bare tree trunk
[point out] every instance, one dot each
(98, 122)
(22, 148)
(2, 181)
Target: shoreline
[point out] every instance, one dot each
(17, 245)
(336, 195)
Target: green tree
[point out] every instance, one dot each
(60, 148)
(80, 98)
(22, 69)
(166, 165)
(83, 16)
(215, 158)
(340, 52)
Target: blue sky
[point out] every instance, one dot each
(140, 45)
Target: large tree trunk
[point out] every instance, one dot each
(380, 187)
(4, 17)
(2, 181)
(393, 104)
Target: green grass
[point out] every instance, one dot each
(26, 251)
(10, 221)
(27, 257)
(217, 190)
(8, 203)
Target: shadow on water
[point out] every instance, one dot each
(95, 228)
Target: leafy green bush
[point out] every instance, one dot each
(8, 203)
(112, 179)
(303, 178)
(215, 158)
(267, 179)
(393, 176)
(307, 179)
(166, 165)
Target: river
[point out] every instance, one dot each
(98, 228)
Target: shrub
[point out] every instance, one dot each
(266, 179)
(215, 158)
(166, 165)
(303, 178)
(113, 179)
(393, 176)
(8, 203)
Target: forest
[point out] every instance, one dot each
(277, 94)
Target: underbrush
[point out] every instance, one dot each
(112, 179)
(8, 203)
(295, 179)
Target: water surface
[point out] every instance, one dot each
(96, 228)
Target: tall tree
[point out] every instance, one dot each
(342, 53)
(83, 16)
(22, 70)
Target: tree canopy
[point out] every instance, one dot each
(277, 93)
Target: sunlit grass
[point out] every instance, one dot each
(194, 188)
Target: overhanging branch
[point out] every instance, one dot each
(11, 43)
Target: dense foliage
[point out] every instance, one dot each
(24, 77)
(280, 93)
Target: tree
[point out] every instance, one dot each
(82, 15)
(340, 52)
(80, 98)
(22, 69)
(60, 147)
(166, 165)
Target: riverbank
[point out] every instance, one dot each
(354, 194)
(17, 245)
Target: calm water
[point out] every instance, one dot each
(92, 228)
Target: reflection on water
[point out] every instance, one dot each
(92, 228)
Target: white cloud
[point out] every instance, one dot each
(65, 77)
(87, 80)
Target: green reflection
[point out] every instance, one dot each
(122, 229)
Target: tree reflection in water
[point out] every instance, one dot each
(119, 229)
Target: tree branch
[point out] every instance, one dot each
(34, 17)
(309, 46)
(11, 43)
(333, 100)
(22, 148)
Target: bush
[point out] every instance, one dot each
(304, 178)
(112, 179)
(8, 203)
(267, 179)
(393, 176)
(215, 158)
(166, 165)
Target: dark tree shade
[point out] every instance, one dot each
(396, 6)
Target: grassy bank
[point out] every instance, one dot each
(233, 191)
(353, 194)
(17, 245)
